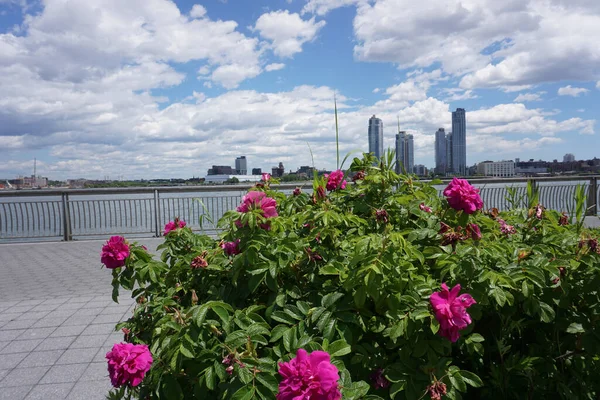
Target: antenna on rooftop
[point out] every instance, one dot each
(34, 167)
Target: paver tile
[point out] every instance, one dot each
(97, 329)
(110, 318)
(64, 373)
(41, 358)
(9, 361)
(92, 390)
(79, 320)
(71, 330)
(16, 324)
(23, 376)
(52, 391)
(95, 341)
(9, 335)
(36, 333)
(14, 393)
(75, 356)
(29, 315)
(56, 343)
(49, 322)
(96, 371)
(21, 346)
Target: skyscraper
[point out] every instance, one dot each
(405, 155)
(459, 142)
(441, 159)
(241, 166)
(449, 166)
(376, 136)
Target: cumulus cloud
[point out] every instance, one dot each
(197, 11)
(571, 91)
(523, 97)
(274, 67)
(322, 7)
(287, 32)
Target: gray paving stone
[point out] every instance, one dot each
(9, 361)
(9, 335)
(45, 307)
(64, 373)
(76, 356)
(3, 344)
(91, 390)
(36, 333)
(95, 341)
(19, 309)
(14, 393)
(7, 304)
(55, 301)
(49, 322)
(71, 306)
(30, 302)
(98, 329)
(4, 372)
(8, 317)
(32, 315)
(23, 376)
(104, 319)
(21, 346)
(60, 313)
(56, 343)
(117, 309)
(97, 371)
(89, 311)
(53, 391)
(79, 320)
(15, 324)
(41, 358)
(70, 330)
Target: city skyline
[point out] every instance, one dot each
(170, 88)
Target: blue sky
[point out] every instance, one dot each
(156, 88)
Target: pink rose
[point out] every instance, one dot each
(335, 180)
(309, 376)
(423, 207)
(451, 311)
(462, 196)
(266, 177)
(259, 200)
(115, 252)
(128, 363)
(173, 225)
(505, 228)
(231, 248)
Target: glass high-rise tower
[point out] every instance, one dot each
(459, 142)
(376, 136)
(405, 154)
(441, 159)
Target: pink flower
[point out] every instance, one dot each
(359, 176)
(309, 377)
(473, 231)
(259, 200)
(266, 177)
(115, 252)
(231, 248)
(451, 311)
(382, 216)
(423, 207)
(173, 225)
(539, 211)
(505, 228)
(128, 363)
(335, 180)
(297, 192)
(462, 196)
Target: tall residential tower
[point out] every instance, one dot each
(441, 159)
(405, 154)
(459, 142)
(376, 136)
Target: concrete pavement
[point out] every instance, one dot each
(57, 320)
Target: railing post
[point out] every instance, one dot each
(66, 209)
(156, 213)
(592, 201)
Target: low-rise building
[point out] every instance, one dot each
(500, 169)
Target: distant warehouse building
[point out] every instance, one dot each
(500, 169)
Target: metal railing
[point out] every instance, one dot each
(81, 213)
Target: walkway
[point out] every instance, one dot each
(57, 320)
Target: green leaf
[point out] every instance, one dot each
(471, 379)
(269, 381)
(575, 328)
(458, 382)
(330, 299)
(221, 312)
(339, 348)
(499, 296)
(171, 388)
(281, 316)
(185, 351)
(398, 329)
(546, 312)
(210, 378)
(244, 393)
(476, 337)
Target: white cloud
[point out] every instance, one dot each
(406, 91)
(274, 67)
(322, 7)
(598, 85)
(522, 97)
(376, 90)
(457, 94)
(197, 11)
(571, 91)
(287, 32)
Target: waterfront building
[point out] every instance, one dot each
(277, 172)
(459, 142)
(421, 170)
(501, 169)
(441, 153)
(223, 178)
(405, 157)
(569, 157)
(221, 170)
(376, 136)
(241, 166)
(256, 171)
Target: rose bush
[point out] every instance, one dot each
(349, 290)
